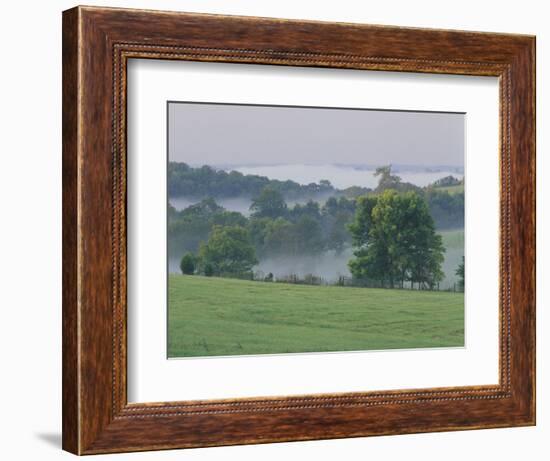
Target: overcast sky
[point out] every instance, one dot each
(215, 134)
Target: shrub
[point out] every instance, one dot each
(187, 264)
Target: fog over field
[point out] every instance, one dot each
(328, 265)
(309, 145)
(331, 266)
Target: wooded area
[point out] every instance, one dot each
(390, 229)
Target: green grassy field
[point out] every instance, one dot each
(459, 188)
(216, 316)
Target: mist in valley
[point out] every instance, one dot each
(420, 148)
(242, 204)
(342, 176)
(330, 266)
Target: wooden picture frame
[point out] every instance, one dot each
(97, 43)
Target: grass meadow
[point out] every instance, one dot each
(211, 316)
(458, 189)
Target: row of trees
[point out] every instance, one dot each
(393, 235)
(277, 229)
(447, 209)
(274, 229)
(391, 230)
(205, 181)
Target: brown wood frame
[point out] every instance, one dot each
(97, 43)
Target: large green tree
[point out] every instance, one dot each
(227, 251)
(395, 240)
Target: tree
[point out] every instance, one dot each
(336, 215)
(446, 209)
(187, 264)
(228, 251)
(191, 226)
(338, 235)
(269, 204)
(460, 273)
(229, 218)
(278, 238)
(386, 179)
(395, 240)
(310, 209)
(186, 181)
(447, 181)
(307, 236)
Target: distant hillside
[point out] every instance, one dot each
(205, 181)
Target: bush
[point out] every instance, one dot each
(187, 264)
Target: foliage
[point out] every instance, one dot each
(205, 181)
(187, 264)
(269, 204)
(191, 226)
(310, 209)
(447, 209)
(460, 274)
(387, 181)
(208, 270)
(447, 181)
(337, 213)
(311, 227)
(353, 192)
(307, 237)
(227, 251)
(395, 240)
(277, 237)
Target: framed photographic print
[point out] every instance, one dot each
(282, 230)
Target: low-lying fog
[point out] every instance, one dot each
(240, 204)
(331, 266)
(342, 176)
(328, 265)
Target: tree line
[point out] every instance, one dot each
(447, 209)
(391, 230)
(273, 228)
(205, 181)
(393, 236)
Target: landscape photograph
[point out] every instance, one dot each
(294, 229)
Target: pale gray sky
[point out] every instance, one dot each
(219, 134)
